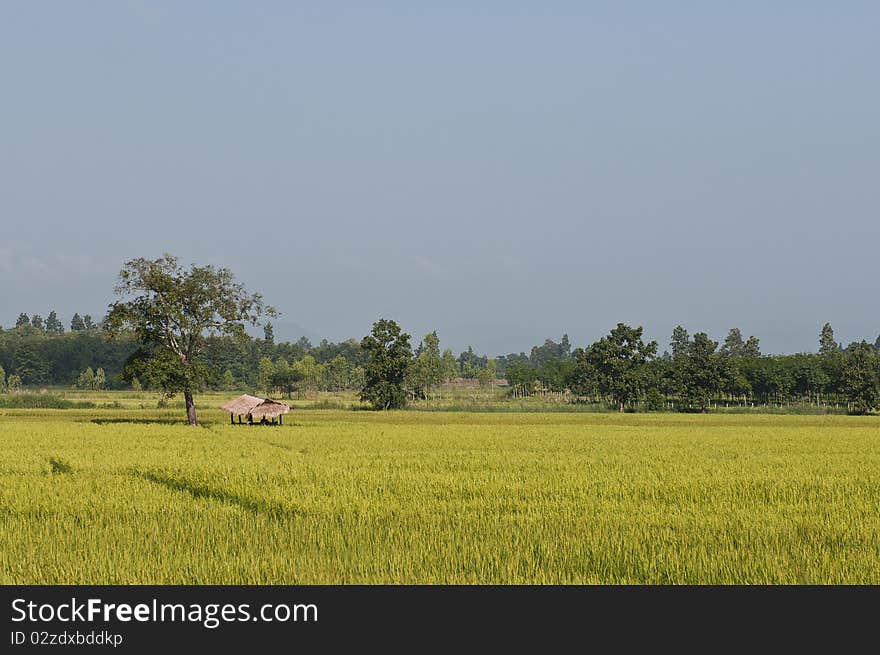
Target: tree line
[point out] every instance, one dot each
(182, 330)
(695, 373)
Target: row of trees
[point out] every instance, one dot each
(90, 380)
(40, 359)
(52, 324)
(177, 328)
(394, 373)
(692, 374)
(624, 370)
(303, 375)
(58, 359)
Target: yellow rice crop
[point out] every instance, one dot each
(417, 497)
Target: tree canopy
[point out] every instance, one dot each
(618, 363)
(389, 356)
(171, 309)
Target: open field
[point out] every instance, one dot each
(131, 495)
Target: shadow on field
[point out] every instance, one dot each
(146, 421)
(277, 445)
(58, 465)
(197, 490)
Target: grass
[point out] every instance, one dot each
(334, 496)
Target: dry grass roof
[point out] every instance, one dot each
(255, 406)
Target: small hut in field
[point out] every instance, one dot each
(254, 409)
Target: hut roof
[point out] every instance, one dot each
(255, 406)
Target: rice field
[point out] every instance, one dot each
(130, 495)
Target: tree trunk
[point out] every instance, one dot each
(621, 406)
(190, 408)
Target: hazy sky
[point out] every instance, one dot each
(500, 174)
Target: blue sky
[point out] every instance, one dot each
(500, 174)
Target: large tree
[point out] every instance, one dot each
(389, 355)
(77, 324)
(170, 309)
(860, 377)
(734, 346)
(30, 365)
(426, 370)
(701, 372)
(53, 324)
(678, 343)
(827, 344)
(618, 360)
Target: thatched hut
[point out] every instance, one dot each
(254, 408)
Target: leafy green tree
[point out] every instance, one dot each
(827, 344)
(37, 322)
(13, 384)
(702, 372)
(654, 400)
(678, 344)
(752, 347)
(565, 347)
(336, 371)
(584, 379)
(449, 366)
(416, 380)
(389, 353)
(469, 363)
(284, 376)
(90, 380)
(735, 383)
(77, 324)
(30, 365)
(89, 323)
(555, 375)
(522, 378)
(467, 369)
(86, 380)
(831, 359)
(2, 380)
(810, 378)
(550, 352)
(169, 309)
(734, 346)
(426, 370)
(23, 321)
(660, 375)
(488, 373)
(228, 381)
(268, 333)
(860, 379)
(619, 360)
(769, 377)
(53, 325)
(309, 373)
(264, 377)
(357, 377)
(430, 352)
